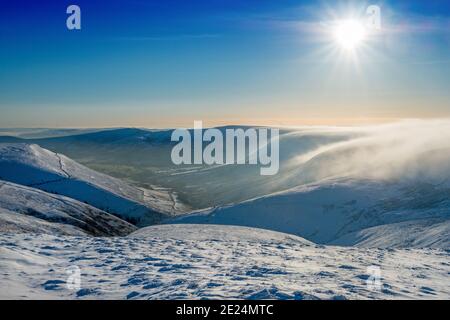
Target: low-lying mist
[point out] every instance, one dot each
(404, 150)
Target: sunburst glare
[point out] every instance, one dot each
(349, 34)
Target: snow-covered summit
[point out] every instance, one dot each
(216, 232)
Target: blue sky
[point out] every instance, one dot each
(167, 63)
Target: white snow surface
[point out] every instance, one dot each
(213, 262)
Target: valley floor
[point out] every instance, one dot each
(213, 262)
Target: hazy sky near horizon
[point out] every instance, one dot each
(167, 63)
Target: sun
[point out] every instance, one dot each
(349, 34)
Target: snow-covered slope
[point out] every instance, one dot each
(33, 166)
(16, 223)
(329, 210)
(29, 210)
(425, 233)
(213, 262)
